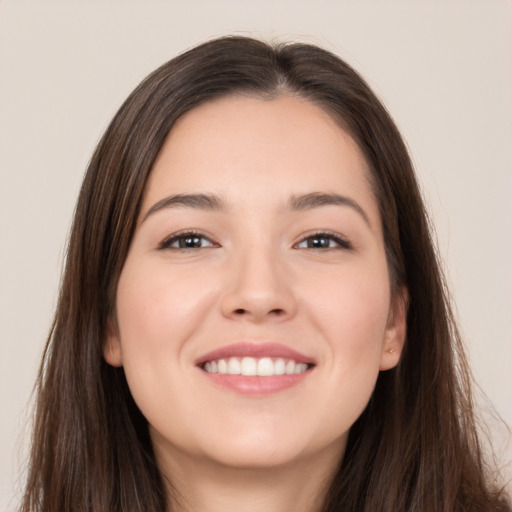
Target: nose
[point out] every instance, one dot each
(259, 289)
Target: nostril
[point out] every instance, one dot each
(273, 312)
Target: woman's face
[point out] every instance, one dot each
(254, 309)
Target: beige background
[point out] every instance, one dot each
(443, 69)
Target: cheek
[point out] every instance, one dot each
(156, 307)
(349, 301)
(352, 319)
(158, 312)
(350, 309)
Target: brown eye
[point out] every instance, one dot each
(324, 241)
(186, 241)
(189, 242)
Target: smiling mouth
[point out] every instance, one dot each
(255, 367)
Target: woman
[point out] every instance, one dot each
(252, 315)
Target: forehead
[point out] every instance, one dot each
(238, 146)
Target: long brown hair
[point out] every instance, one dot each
(415, 447)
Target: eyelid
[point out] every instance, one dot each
(342, 241)
(166, 243)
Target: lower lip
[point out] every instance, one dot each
(255, 385)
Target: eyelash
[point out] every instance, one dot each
(176, 237)
(341, 242)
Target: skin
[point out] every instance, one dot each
(255, 279)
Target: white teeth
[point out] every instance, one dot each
(251, 366)
(248, 366)
(222, 366)
(265, 367)
(279, 367)
(290, 367)
(300, 368)
(234, 366)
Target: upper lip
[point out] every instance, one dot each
(257, 350)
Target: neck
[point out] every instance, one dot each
(205, 486)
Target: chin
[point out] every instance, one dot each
(256, 457)
(275, 449)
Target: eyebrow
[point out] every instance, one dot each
(198, 201)
(318, 199)
(296, 203)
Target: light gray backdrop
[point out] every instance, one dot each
(443, 69)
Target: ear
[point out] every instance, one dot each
(396, 330)
(112, 348)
